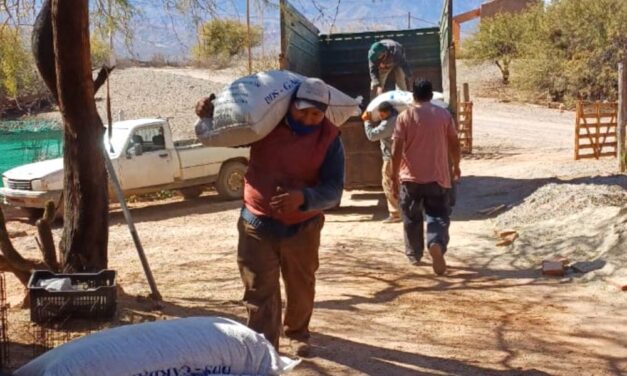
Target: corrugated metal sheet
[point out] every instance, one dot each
(299, 42)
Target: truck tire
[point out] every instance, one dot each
(230, 184)
(191, 193)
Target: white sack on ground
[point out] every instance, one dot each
(248, 109)
(400, 100)
(182, 347)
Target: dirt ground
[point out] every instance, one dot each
(493, 313)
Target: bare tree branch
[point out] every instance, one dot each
(11, 254)
(102, 77)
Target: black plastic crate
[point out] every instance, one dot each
(98, 301)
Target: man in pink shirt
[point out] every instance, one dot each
(425, 145)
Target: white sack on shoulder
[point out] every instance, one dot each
(400, 100)
(248, 109)
(182, 347)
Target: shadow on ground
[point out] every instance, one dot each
(159, 211)
(385, 361)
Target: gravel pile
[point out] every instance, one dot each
(141, 92)
(559, 200)
(151, 92)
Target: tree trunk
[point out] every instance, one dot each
(504, 68)
(85, 232)
(43, 48)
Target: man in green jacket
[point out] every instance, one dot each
(387, 57)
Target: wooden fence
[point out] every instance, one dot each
(595, 130)
(464, 126)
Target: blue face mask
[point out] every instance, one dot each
(299, 128)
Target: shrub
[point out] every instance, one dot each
(100, 51)
(574, 48)
(18, 76)
(568, 49)
(221, 40)
(499, 40)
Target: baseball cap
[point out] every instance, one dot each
(375, 51)
(313, 92)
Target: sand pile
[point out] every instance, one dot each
(554, 201)
(585, 223)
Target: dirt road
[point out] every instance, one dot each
(491, 314)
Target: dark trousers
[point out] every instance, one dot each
(262, 259)
(416, 202)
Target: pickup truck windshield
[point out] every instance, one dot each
(118, 139)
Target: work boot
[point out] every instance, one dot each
(437, 258)
(301, 347)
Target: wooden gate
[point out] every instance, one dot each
(464, 126)
(595, 130)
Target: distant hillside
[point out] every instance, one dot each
(171, 35)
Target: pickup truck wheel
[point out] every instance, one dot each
(191, 192)
(230, 184)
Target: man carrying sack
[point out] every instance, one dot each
(382, 131)
(294, 173)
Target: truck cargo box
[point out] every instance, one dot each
(341, 60)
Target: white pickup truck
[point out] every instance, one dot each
(146, 160)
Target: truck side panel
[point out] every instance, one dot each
(344, 58)
(200, 161)
(363, 157)
(299, 42)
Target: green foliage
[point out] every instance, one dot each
(499, 40)
(100, 52)
(17, 72)
(115, 16)
(569, 49)
(575, 50)
(148, 197)
(224, 39)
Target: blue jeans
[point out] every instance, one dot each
(434, 201)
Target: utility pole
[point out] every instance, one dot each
(622, 116)
(409, 20)
(111, 64)
(109, 22)
(250, 56)
(261, 8)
